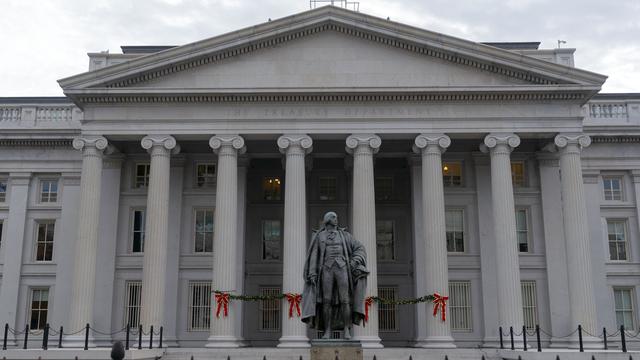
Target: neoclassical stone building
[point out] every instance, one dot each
(491, 172)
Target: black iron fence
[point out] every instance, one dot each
(579, 331)
(50, 334)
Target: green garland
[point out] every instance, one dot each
(379, 300)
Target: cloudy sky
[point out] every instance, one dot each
(45, 40)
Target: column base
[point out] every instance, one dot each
(223, 342)
(77, 341)
(294, 342)
(436, 342)
(369, 342)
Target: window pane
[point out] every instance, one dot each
(460, 305)
(454, 220)
(612, 188)
(133, 290)
(328, 188)
(199, 306)
(530, 311)
(205, 175)
(271, 239)
(203, 232)
(452, 174)
(44, 241)
(271, 188)
(383, 188)
(388, 313)
(3, 190)
(385, 240)
(138, 231)
(616, 233)
(517, 173)
(624, 307)
(142, 175)
(269, 310)
(39, 309)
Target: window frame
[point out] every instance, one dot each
(37, 223)
(391, 187)
(467, 307)
(205, 185)
(195, 230)
(263, 187)
(3, 194)
(464, 230)
(604, 189)
(625, 226)
(262, 241)
(146, 176)
(394, 252)
(524, 182)
(132, 231)
(30, 308)
(393, 308)
(533, 287)
(527, 230)
(128, 284)
(320, 187)
(447, 180)
(202, 309)
(632, 294)
(41, 182)
(264, 290)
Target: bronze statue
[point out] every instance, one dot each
(335, 277)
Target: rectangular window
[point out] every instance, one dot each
(205, 175)
(272, 189)
(142, 176)
(617, 234)
(383, 188)
(44, 240)
(452, 174)
(625, 313)
(612, 187)
(1, 226)
(199, 305)
(529, 308)
(385, 240)
(328, 188)
(460, 305)
(518, 174)
(203, 231)
(39, 309)
(133, 293)
(138, 231)
(522, 230)
(48, 191)
(388, 313)
(454, 220)
(269, 309)
(3, 190)
(271, 239)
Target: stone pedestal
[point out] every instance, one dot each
(336, 349)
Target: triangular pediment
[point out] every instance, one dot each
(329, 48)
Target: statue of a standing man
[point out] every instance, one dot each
(335, 277)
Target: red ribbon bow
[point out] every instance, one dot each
(440, 303)
(222, 303)
(294, 302)
(367, 304)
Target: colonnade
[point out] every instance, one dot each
(363, 147)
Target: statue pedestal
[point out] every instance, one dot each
(336, 349)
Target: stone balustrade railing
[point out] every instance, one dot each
(10, 113)
(608, 110)
(39, 113)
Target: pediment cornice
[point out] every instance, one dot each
(403, 37)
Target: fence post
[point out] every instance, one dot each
(580, 338)
(6, 333)
(140, 337)
(511, 336)
(538, 338)
(60, 337)
(622, 339)
(501, 340)
(524, 337)
(86, 337)
(161, 331)
(604, 337)
(26, 336)
(45, 337)
(126, 341)
(151, 337)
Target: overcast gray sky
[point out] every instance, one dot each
(45, 40)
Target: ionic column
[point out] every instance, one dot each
(436, 276)
(576, 234)
(160, 147)
(295, 147)
(504, 227)
(363, 146)
(225, 238)
(84, 272)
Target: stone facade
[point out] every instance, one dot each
(230, 149)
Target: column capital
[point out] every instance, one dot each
(431, 142)
(232, 141)
(166, 142)
(301, 142)
(371, 141)
(493, 140)
(580, 141)
(86, 142)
